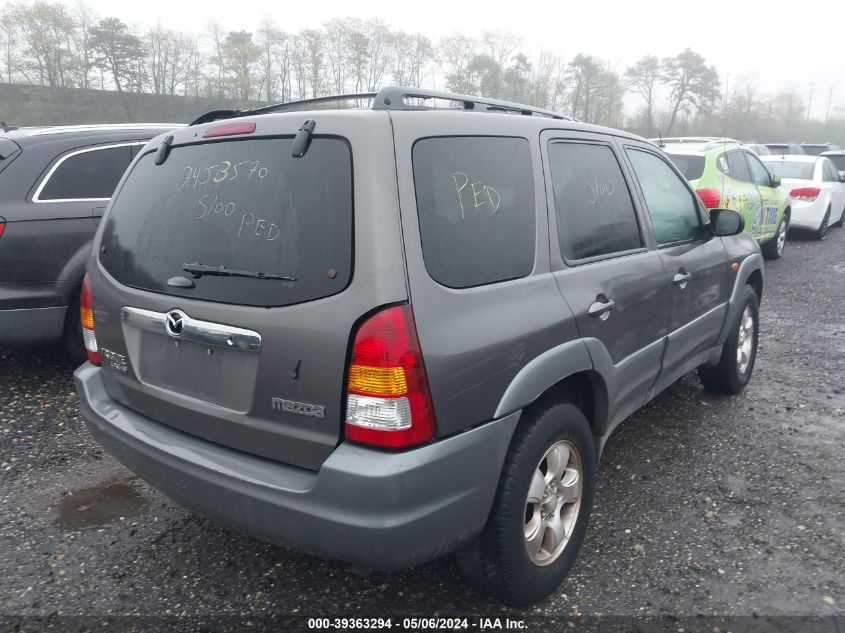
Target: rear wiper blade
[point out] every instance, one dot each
(198, 270)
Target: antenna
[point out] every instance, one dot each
(661, 145)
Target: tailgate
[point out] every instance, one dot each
(224, 294)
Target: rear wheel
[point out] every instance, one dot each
(540, 513)
(841, 222)
(773, 249)
(739, 352)
(72, 335)
(821, 232)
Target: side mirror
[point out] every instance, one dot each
(726, 222)
(776, 180)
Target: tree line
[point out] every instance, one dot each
(50, 44)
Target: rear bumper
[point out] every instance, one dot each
(808, 215)
(372, 508)
(31, 325)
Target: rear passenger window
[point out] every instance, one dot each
(673, 211)
(738, 167)
(476, 207)
(594, 210)
(88, 174)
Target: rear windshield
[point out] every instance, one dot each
(785, 149)
(791, 169)
(814, 150)
(691, 166)
(246, 205)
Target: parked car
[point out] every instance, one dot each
(814, 149)
(344, 331)
(760, 150)
(726, 174)
(837, 157)
(816, 189)
(54, 185)
(785, 148)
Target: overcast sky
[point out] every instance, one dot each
(737, 36)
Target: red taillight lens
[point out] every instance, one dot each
(2, 227)
(229, 129)
(710, 196)
(86, 316)
(388, 400)
(808, 194)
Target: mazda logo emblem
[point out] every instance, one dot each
(174, 322)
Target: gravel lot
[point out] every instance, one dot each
(706, 505)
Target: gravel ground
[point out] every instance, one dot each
(706, 505)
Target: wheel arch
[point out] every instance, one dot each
(563, 373)
(750, 273)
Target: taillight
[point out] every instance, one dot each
(710, 196)
(808, 194)
(388, 400)
(86, 315)
(2, 227)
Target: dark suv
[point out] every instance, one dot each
(55, 183)
(385, 334)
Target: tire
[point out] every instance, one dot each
(733, 371)
(498, 562)
(72, 343)
(841, 222)
(773, 249)
(821, 232)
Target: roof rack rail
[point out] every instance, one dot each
(214, 115)
(391, 98)
(394, 98)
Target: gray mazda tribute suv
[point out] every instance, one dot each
(386, 333)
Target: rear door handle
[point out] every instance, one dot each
(681, 278)
(600, 308)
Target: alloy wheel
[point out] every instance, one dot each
(745, 341)
(553, 503)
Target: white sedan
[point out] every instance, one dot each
(816, 189)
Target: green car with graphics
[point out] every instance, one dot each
(728, 175)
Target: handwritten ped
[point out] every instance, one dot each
(481, 193)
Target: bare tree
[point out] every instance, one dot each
(642, 78)
(378, 38)
(9, 40)
(311, 62)
(542, 79)
(336, 54)
(81, 39)
(45, 30)
(456, 53)
(412, 55)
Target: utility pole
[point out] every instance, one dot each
(725, 107)
(810, 101)
(829, 101)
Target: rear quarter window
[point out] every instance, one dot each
(476, 208)
(247, 205)
(89, 174)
